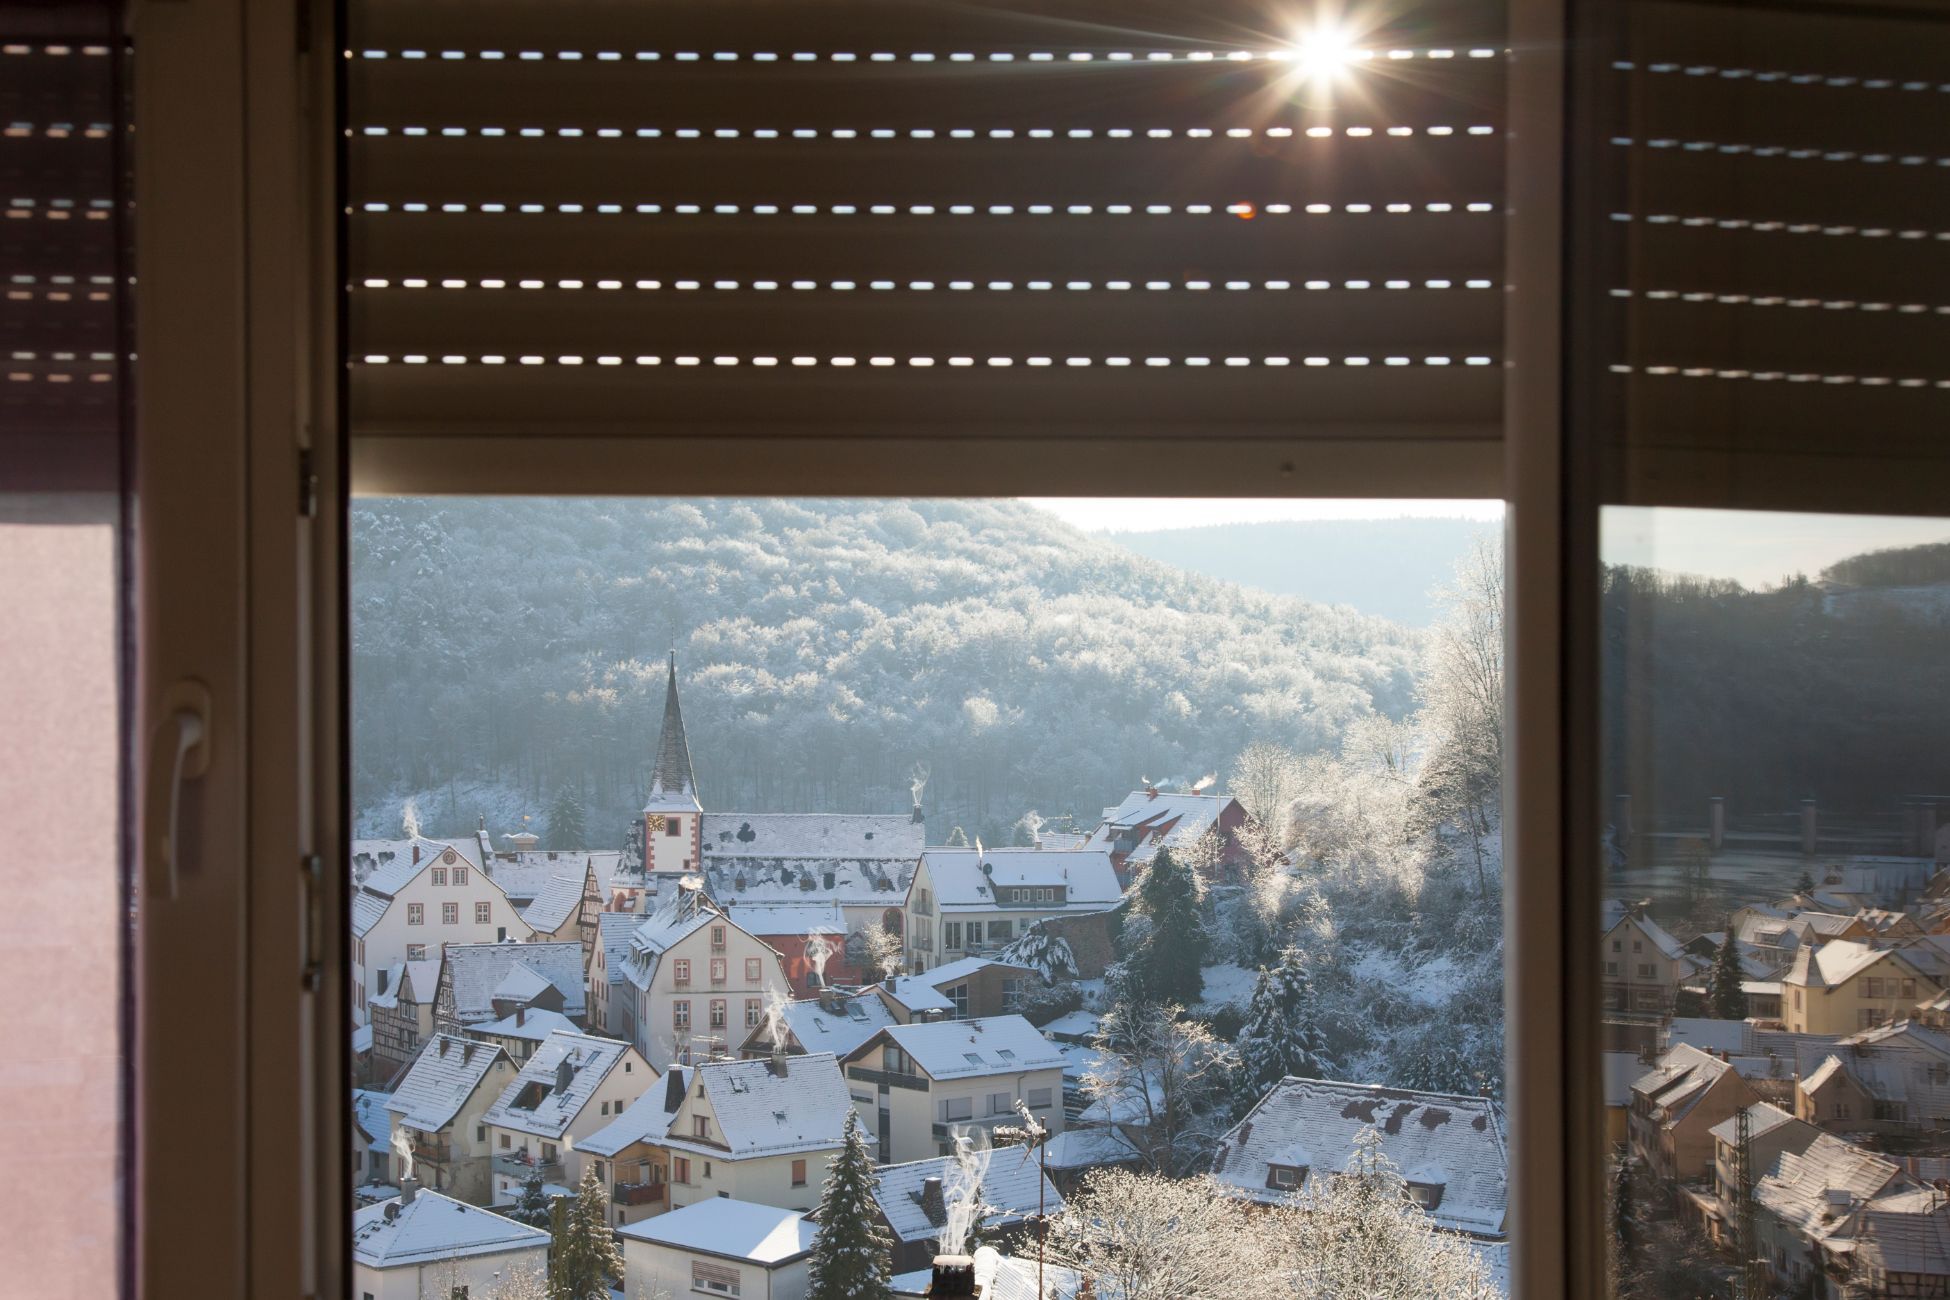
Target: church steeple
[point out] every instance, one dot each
(672, 787)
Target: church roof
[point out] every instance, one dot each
(671, 782)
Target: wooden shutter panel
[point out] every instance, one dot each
(1774, 245)
(783, 218)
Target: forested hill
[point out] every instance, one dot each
(503, 649)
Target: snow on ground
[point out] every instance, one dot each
(1226, 985)
(1429, 981)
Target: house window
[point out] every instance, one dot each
(548, 1153)
(1286, 1177)
(1040, 1098)
(680, 1014)
(483, 913)
(506, 1142)
(959, 996)
(1001, 1103)
(1611, 968)
(1638, 945)
(754, 1012)
(450, 914)
(717, 936)
(680, 1170)
(754, 970)
(950, 935)
(680, 971)
(1871, 987)
(1426, 1195)
(701, 1126)
(974, 934)
(718, 1013)
(1617, 945)
(416, 914)
(1011, 994)
(718, 969)
(714, 1279)
(798, 1173)
(440, 875)
(1001, 931)
(955, 1108)
(1797, 999)
(416, 952)
(460, 875)
(1909, 990)
(673, 827)
(1647, 971)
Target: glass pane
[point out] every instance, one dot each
(1775, 986)
(1160, 836)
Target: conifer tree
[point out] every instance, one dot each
(1806, 884)
(1724, 996)
(1280, 1037)
(958, 838)
(584, 1255)
(852, 1255)
(531, 1206)
(567, 825)
(1164, 965)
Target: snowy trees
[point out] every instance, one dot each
(1162, 959)
(1281, 1036)
(1149, 1238)
(584, 1255)
(1724, 996)
(1043, 953)
(1163, 1080)
(1462, 693)
(852, 1254)
(531, 1204)
(567, 827)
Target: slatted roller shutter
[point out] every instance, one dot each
(1773, 246)
(62, 237)
(723, 217)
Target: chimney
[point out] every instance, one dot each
(954, 1275)
(1716, 822)
(407, 1188)
(416, 853)
(917, 816)
(933, 1203)
(521, 1016)
(673, 1089)
(777, 1064)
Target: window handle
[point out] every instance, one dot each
(179, 751)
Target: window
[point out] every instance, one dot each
(955, 1108)
(1909, 990)
(1611, 968)
(450, 914)
(680, 1014)
(717, 936)
(1638, 945)
(718, 1016)
(754, 970)
(416, 952)
(673, 827)
(460, 875)
(1871, 987)
(717, 970)
(754, 1012)
(505, 1142)
(1001, 931)
(1285, 1177)
(958, 994)
(680, 1170)
(950, 935)
(439, 875)
(416, 914)
(1617, 945)
(714, 1279)
(680, 971)
(1039, 1098)
(701, 1126)
(974, 934)
(605, 1109)
(483, 913)
(548, 1153)
(1647, 971)
(798, 1173)
(1001, 1103)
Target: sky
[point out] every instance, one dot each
(1754, 548)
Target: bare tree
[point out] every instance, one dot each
(1163, 1080)
(1462, 689)
(1149, 1238)
(1266, 779)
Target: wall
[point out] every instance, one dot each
(656, 1036)
(385, 943)
(912, 1114)
(649, 1265)
(619, 1088)
(436, 1281)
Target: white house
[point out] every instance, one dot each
(762, 1131)
(572, 1086)
(608, 996)
(833, 1022)
(695, 982)
(719, 1247)
(422, 1244)
(426, 896)
(484, 982)
(914, 1199)
(861, 861)
(1449, 1148)
(520, 1033)
(439, 1108)
(917, 1084)
(965, 902)
(567, 907)
(628, 1154)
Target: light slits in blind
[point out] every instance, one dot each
(59, 233)
(1779, 241)
(687, 216)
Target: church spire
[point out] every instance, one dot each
(671, 783)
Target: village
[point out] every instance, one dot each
(676, 1049)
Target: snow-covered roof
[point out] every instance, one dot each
(955, 972)
(1004, 1277)
(554, 905)
(1088, 880)
(1614, 913)
(821, 916)
(531, 1025)
(1904, 1063)
(441, 1079)
(1460, 1136)
(1676, 1084)
(432, 1228)
(818, 1029)
(1079, 1025)
(393, 871)
(762, 1235)
(388, 857)
(914, 994)
(683, 914)
(533, 1103)
(362, 1039)
(647, 1119)
(1008, 1187)
(523, 983)
(613, 931)
(760, 1113)
(1840, 960)
(1814, 1190)
(672, 785)
(369, 1113)
(366, 911)
(478, 970)
(1084, 1147)
(959, 1049)
(1762, 1119)
(789, 857)
(1157, 817)
(523, 876)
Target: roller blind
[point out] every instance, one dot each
(764, 216)
(1773, 249)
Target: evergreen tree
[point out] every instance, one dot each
(852, 1255)
(531, 1207)
(1723, 993)
(567, 828)
(1280, 1037)
(584, 1255)
(1805, 885)
(958, 838)
(1166, 958)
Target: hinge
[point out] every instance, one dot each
(307, 484)
(312, 976)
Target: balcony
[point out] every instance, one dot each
(887, 1078)
(519, 1165)
(641, 1193)
(432, 1152)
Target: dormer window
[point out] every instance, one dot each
(1426, 1195)
(1286, 1178)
